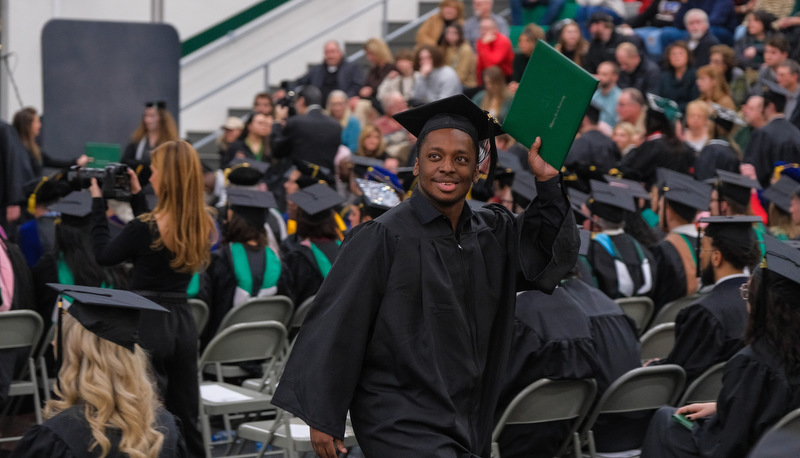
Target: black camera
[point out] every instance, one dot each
(113, 180)
(289, 99)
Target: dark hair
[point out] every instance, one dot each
(238, 230)
(765, 18)
(315, 227)
(678, 44)
(72, 242)
(637, 227)
(776, 99)
(738, 247)
(774, 315)
(460, 31)
(684, 212)
(23, 122)
(656, 121)
(780, 42)
(311, 94)
(264, 95)
(404, 54)
(436, 56)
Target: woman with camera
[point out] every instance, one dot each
(166, 246)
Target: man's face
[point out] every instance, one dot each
(696, 26)
(487, 27)
(446, 167)
(262, 105)
(482, 7)
(786, 78)
(627, 63)
(596, 31)
(606, 76)
(753, 110)
(333, 55)
(627, 109)
(706, 265)
(773, 56)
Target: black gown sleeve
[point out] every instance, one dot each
(139, 204)
(699, 340)
(41, 441)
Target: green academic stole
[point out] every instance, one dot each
(322, 261)
(241, 269)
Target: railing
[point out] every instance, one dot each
(388, 37)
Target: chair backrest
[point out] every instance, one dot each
(301, 312)
(781, 439)
(271, 308)
(643, 388)
(706, 387)
(20, 329)
(658, 342)
(670, 310)
(45, 344)
(548, 400)
(639, 308)
(245, 342)
(200, 312)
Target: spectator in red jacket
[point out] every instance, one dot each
(494, 48)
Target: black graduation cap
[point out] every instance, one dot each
(780, 193)
(635, 188)
(75, 205)
(726, 117)
(111, 314)
(664, 105)
(454, 112)
(775, 92)
(576, 201)
(251, 205)
(738, 228)
(609, 202)
(793, 243)
(311, 173)
(363, 164)
(523, 189)
(156, 103)
(683, 189)
(735, 186)
(316, 201)
(781, 259)
(245, 172)
(376, 198)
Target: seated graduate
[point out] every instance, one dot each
(712, 329)
(680, 198)
(35, 236)
(622, 267)
(376, 199)
(106, 402)
(245, 266)
(592, 153)
(551, 339)
(719, 152)
(779, 210)
(731, 196)
(761, 383)
(309, 253)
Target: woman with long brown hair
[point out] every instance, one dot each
(28, 124)
(713, 87)
(167, 247)
(571, 43)
(105, 404)
(156, 127)
(495, 98)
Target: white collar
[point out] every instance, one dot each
(686, 229)
(613, 231)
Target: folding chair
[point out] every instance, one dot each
(200, 312)
(640, 308)
(658, 341)
(272, 308)
(547, 400)
(643, 388)
(300, 314)
(45, 380)
(241, 342)
(670, 310)
(286, 431)
(705, 388)
(22, 329)
(773, 442)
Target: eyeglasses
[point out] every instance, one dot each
(744, 291)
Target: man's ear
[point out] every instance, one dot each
(716, 258)
(476, 175)
(416, 167)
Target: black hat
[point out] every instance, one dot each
(454, 112)
(364, 164)
(735, 186)
(781, 259)
(245, 172)
(609, 202)
(376, 198)
(523, 189)
(738, 229)
(316, 201)
(156, 103)
(635, 188)
(77, 205)
(311, 173)
(251, 205)
(684, 190)
(775, 93)
(780, 193)
(111, 314)
(601, 16)
(726, 117)
(576, 201)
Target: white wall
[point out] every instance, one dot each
(23, 21)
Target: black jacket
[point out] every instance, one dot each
(313, 137)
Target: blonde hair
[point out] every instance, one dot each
(190, 230)
(379, 49)
(115, 387)
(366, 131)
(167, 129)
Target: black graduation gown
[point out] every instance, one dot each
(717, 154)
(303, 270)
(672, 280)
(605, 272)
(411, 329)
(618, 351)
(552, 339)
(778, 140)
(710, 331)
(68, 435)
(641, 163)
(756, 393)
(218, 285)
